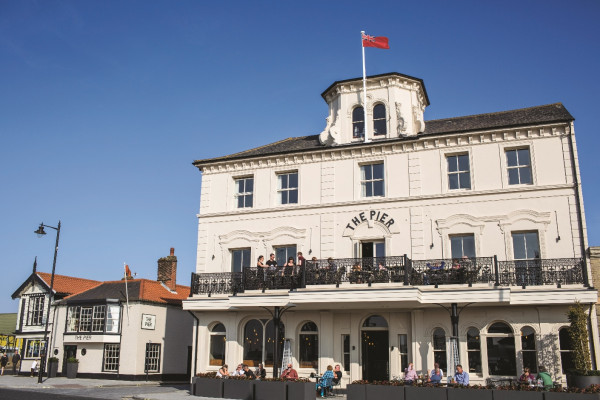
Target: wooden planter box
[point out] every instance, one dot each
(517, 395)
(382, 392)
(469, 394)
(208, 387)
(72, 370)
(52, 369)
(301, 391)
(356, 392)
(269, 390)
(571, 396)
(429, 393)
(240, 389)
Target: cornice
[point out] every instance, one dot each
(425, 143)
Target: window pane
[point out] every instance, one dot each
(511, 158)
(513, 176)
(217, 349)
(248, 200)
(465, 180)
(309, 351)
(368, 189)
(564, 339)
(269, 343)
(240, 186)
(469, 246)
(501, 355)
(525, 173)
(500, 327)
(453, 181)
(358, 114)
(283, 181)
(240, 202)
(293, 180)
(463, 162)
(378, 188)
(375, 321)
(284, 197)
(452, 164)
(249, 185)
(293, 197)
(523, 156)
(473, 341)
(527, 338)
(475, 361)
(379, 127)
(253, 343)
(377, 171)
(456, 246)
(379, 111)
(368, 173)
(439, 339)
(403, 344)
(519, 246)
(532, 245)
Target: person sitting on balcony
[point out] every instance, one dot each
(289, 372)
(223, 371)
(410, 375)
(436, 374)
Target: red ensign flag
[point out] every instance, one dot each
(381, 42)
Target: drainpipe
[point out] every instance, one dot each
(195, 345)
(591, 337)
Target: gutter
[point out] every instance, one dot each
(195, 344)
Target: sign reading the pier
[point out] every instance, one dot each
(370, 217)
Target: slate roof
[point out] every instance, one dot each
(545, 114)
(139, 290)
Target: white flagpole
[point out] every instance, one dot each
(362, 33)
(126, 291)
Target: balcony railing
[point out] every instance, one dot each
(401, 269)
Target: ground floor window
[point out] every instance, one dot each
(474, 350)
(259, 341)
(110, 361)
(309, 346)
(34, 348)
(152, 362)
(346, 352)
(566, 350)
(403, 348)
(501, 350)
(439, 348)
(218, 340)
(528, 349)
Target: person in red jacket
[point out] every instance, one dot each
(289, 372)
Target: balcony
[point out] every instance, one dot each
(399, 270)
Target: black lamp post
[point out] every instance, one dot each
(277, 313)
(40, 232)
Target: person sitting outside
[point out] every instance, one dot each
(527, 378)
(289, 372)
(436, 374)
(260, 372)
(461, 377)
(248, 372)
(223, 371)
(337, 372)
(544, 375)
(325, 382)
(410, 375)
(239, 371)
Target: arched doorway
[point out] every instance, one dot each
(375, 349)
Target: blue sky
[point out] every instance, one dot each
(105, 104)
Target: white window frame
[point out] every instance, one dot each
(458, 172)
(289, 189)
(152, 357)
(110, 361)
(85, 318)
(301, 343)
(217, 335)
(462, 235)
(384, 119)
(98, 318)
(504, 162)
(365, 182)
(35, 309)
(245, 194)
(34, 348)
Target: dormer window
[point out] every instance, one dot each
(358, 123)
(379, 120)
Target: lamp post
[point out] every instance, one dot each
(276, 314)
(40, 232)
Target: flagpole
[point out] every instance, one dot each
(362, 33)
(126, 291)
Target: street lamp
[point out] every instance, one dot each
(277, 314)
(40, 232)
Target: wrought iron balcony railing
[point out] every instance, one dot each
(401, 269)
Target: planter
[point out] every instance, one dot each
(208, 387)
(379, 392)
(469, 394)
(571, 396)
(52, 369)
(356, 392)
(429, 393)
(238, 389)
(517, 395)
(301, 390)
(582, 381)
(269, 390)
(72, 370)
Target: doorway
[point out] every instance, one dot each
(370, 251)
(70, 351)
(375, 349)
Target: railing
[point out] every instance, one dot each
(401, 269)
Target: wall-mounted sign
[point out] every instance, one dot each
(148, 321)
(372, 215)
(83, 338)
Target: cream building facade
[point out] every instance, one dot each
(425, 237)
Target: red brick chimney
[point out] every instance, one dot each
(167, 270)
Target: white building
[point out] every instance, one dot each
(479, 215)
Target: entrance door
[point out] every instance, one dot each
(369, 251)
(375, 350)
(70, 351)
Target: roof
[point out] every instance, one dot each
(8, 322)
(550, 113)
(63, 285)
(389, 74)
(138, 290)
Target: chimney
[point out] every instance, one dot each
(167, 270)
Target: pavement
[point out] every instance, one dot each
(99, 388)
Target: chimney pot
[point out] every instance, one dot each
(172, 251)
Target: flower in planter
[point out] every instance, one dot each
(72, 360)
(207, 374)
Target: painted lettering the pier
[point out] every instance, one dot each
(378, 216)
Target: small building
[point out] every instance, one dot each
(34, 299)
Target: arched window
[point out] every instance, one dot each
(217, 344)
(566, 348)
(309, 346)
(253, 342)
(375, 321)
(528, 349)
(501, 350)
(439, 348)
(270, 341)
(379, 120)
(358, 122)
(474, 350)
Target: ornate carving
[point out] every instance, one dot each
(400, 126)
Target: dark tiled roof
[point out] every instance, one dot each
(138, 290)
(505, 119)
